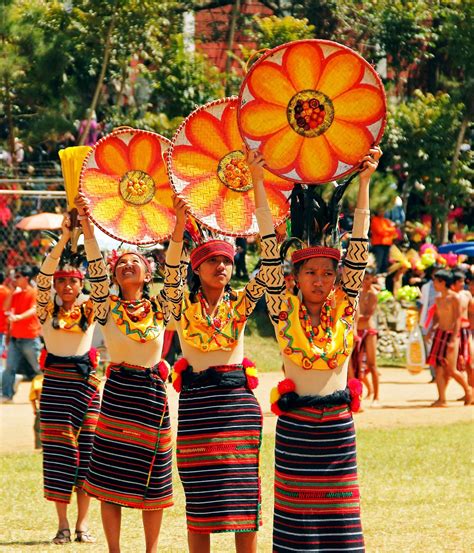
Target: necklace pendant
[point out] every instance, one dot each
(217, 322)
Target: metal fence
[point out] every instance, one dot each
(32, 190)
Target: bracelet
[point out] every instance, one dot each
(82, 217)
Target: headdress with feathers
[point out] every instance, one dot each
(314, 223)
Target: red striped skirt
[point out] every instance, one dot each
(317, 505)
(439, 348)
(464, 354)
(219, 437)
(69, 408)
(131, 457)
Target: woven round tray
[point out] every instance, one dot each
(313, 108)
(126, 181)
(207, 168)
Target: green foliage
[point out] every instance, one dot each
(273, 31)
(185, 80)
(422, 134)
(403, 32)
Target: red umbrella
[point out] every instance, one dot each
(41, 221)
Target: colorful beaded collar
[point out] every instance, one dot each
(321, 348)
(137, 319)
(69, 320)
(220, 332)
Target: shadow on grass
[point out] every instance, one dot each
(25, 542)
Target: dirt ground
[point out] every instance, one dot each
(405, 401)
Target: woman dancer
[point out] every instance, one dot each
(219, 421)
(69, 403)
(131, 457)
(316, 490)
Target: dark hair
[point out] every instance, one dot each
(2, 277)
(29, 271)
(445, 276)
(83, 322)
(457, 275)
(195, 284)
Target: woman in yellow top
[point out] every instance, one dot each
(69, 404)
(316, 489)
(219, 420)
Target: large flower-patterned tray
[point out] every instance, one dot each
(126, 181)
(313, 108)
(208, 169)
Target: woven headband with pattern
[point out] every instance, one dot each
(211, 249)
(315, 251)
(71, 273)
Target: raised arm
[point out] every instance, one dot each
(269, 278)
(175, 264)
(44, 279)
(357, 254)
(97, 270)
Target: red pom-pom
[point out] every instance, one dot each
(276, 410)
(355, 389)
(252, 382)
(355, 386)
(94, 356)
(286, 386)
(163, 369)
(180, 365)
(42, 358)
(178, 382)
(246, 362)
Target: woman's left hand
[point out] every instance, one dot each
(370, 162)
(255, 162)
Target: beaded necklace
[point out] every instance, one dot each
(222, 316)
(326, 323)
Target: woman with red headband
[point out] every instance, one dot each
(316, 490)
(70, 401)
(131, 456)
(219, 419)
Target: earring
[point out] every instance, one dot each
(333, 298)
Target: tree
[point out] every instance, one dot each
(422, 144)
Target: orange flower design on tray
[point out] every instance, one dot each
(208, 170)
(126, 180)
(314, 108)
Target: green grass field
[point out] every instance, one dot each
(415, 485)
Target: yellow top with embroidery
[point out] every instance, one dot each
(145, 323)
(198, 333)
(69, 320)
(332, 341)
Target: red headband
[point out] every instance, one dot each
(116, 258)
(211, 249)
(315, 251)
(72, 273)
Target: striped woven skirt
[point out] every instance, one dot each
(316, 489)
(219, 437)
(439, 348)
(69, 408)
(131, 457)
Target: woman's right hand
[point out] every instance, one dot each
(83, 204)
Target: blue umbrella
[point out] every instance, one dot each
(460, 248)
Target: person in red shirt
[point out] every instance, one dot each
(383, 232)
(4, 294)
(25, 343)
